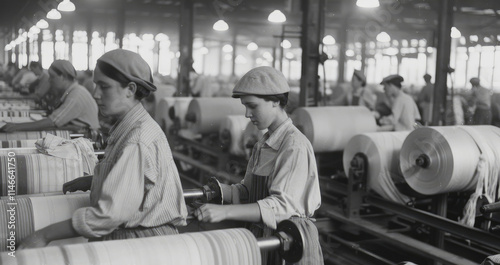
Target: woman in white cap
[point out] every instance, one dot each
(136, 190)
(77, 111)
(281, 181)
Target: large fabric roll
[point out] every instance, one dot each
(34, 213)
(251, 135)
(205, 115)
(32, 135)
(330, 128)
(162, 113)
(451, 155)
(219, 247)
(231, 134)
(382, 152)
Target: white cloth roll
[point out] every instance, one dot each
(330, 128)
(382, 152)
(452, 156)
(251, 135)
(231, 133)
(230, 246)
(208, 113)
(162, 111)
(180, 109)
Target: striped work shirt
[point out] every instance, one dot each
(136, 184)
(287, 158)
(77, 108)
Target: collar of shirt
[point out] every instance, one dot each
(126, 123)
(70, 88)
(275, 139)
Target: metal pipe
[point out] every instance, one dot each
(192, 193)
(270, 243)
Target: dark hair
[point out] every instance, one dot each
(282, 98)
(58, 72)
(111, 72)
(35, 64)
(397, 83)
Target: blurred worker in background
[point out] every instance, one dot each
(425, 98)
(482, 100)
(404, 109)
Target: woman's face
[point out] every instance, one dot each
(110, 96)
(260, 112)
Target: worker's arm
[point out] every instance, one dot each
(45, 124)
(44, 236)
(214, 213)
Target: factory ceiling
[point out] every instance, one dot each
(247, 19)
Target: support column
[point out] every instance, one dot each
(235, 44)
(39, 43)
(70, 35)
(442, 61)
(342, 41)
(89, 42)
(312, 31)
(185, 47)
(120, 29)
(363, 56)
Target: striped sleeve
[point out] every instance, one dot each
(68, 111)
(121, 197)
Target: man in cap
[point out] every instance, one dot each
(77, 110)
(358, 95)
(281, 181)
(136, 189)
(424, 99)
(404, 110)
(482, 100)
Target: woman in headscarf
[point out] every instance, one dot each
(281, 181)
(136, 190)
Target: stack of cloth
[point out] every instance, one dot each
(45, 169)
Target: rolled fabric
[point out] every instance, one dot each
(32, 135)
(37, 173)
(162, 113)
(382, 152)
(437, 160)
(330, 128)
(250, 137)
(229, 246)
(17, 143)
(34, 213)
(205, 115)
(231, 134)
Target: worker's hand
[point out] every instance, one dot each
(9, 127)
(211, 213)
(81, 183)
(35, 240)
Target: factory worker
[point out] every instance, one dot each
(281, 181)
(404, 109)
(77, 110)
(136, 189)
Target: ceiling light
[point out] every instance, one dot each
(66, 6)
(252, 46)
(54, 14)
(329, 40)
(34, 30)
(227, 48)
(383, 37)
(161, 37)
(204, 50)
(368, 3)
(8, 47)
(286, 44)
(455, 33)
(277, 17)
(42, 24)
(221, 25)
